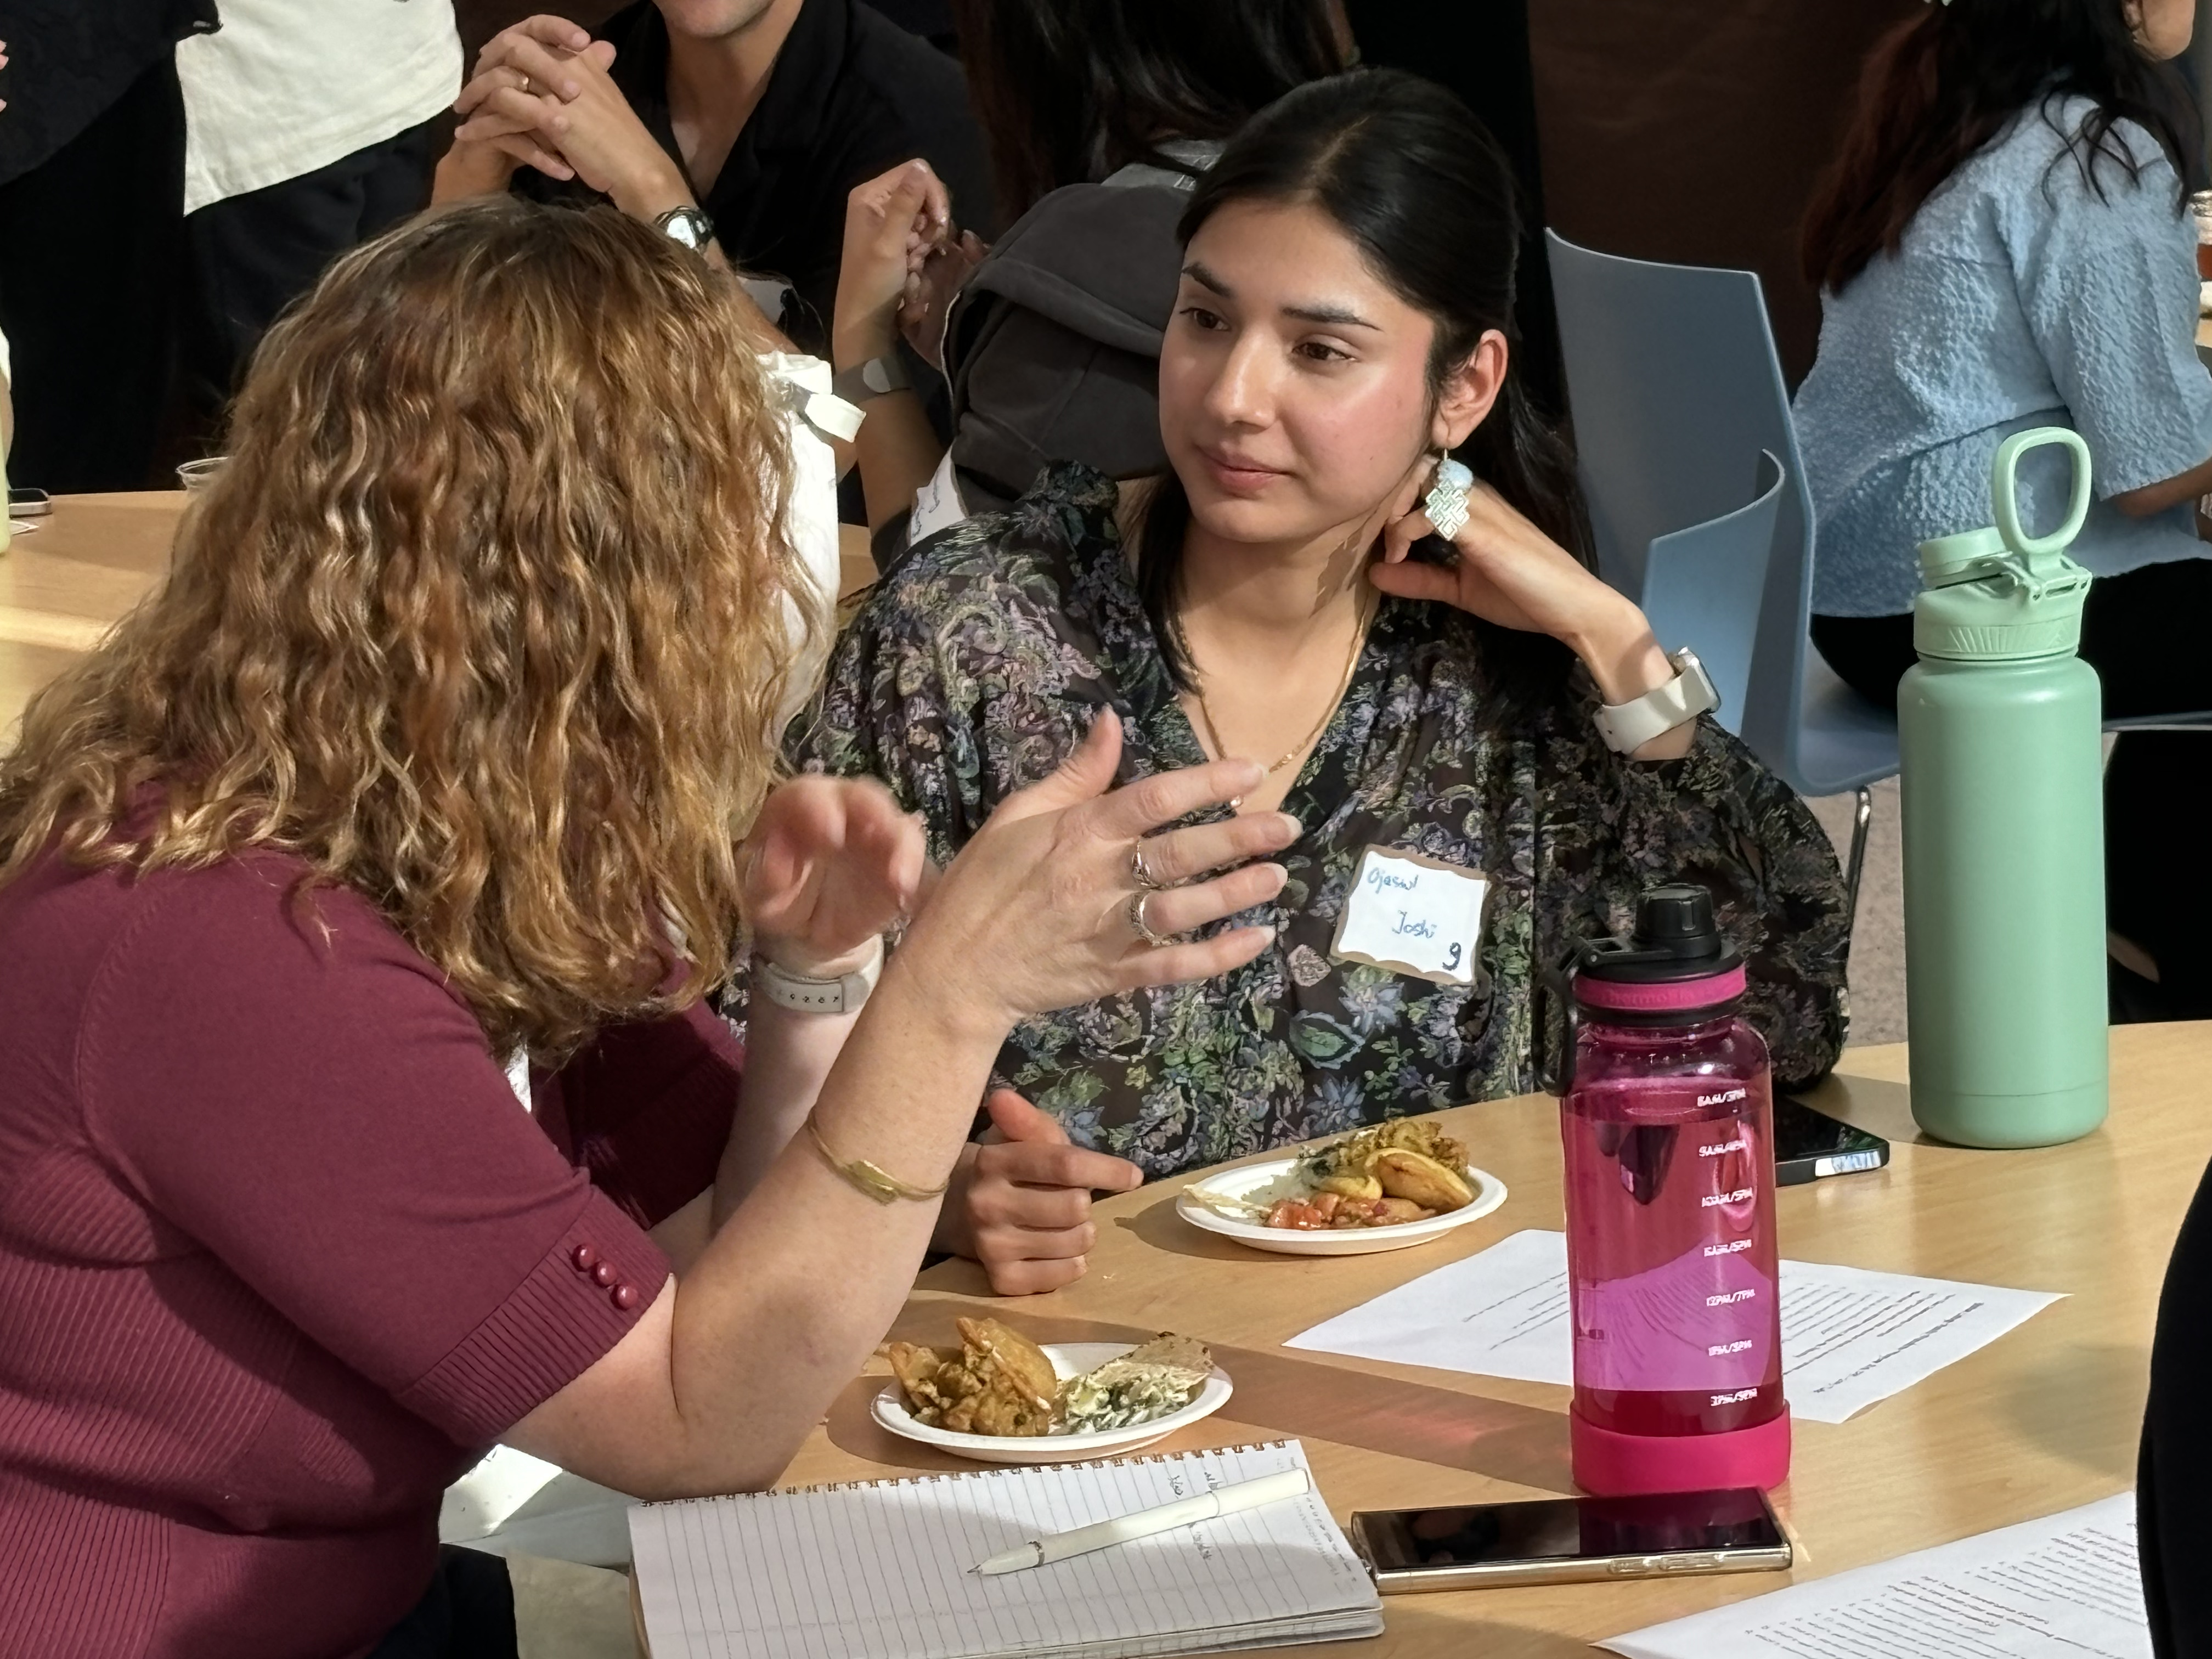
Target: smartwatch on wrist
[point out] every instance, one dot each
(686, 226)
(878, 377)
(843, 995)
(1627, 726)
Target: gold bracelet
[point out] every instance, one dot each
(869, 1178)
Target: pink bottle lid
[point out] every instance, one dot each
(1660, 996)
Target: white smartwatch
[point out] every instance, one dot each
(843, 995)
(1627, 726)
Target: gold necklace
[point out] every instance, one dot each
(1351, 667)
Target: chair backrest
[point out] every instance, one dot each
(1677, 391)
(1703, 586)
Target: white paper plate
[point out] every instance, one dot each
(1253, 1179)
(1068, 1360)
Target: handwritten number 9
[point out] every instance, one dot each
(1451, 962)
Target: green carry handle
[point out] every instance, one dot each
(2003, 482)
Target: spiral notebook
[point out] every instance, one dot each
(879, 1570)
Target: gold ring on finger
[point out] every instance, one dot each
(1144, 927)
(1141, 872)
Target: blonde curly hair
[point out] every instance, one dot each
(486, 618)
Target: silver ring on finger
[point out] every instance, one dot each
(1141, 872)
(526, 88)
(1144, 928)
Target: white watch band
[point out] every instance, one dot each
(843, 995)
(1627, 726)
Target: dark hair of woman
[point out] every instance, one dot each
(1069, 92)
(1405, 170)
(1941, 86)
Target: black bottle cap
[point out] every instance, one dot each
(1675, 938)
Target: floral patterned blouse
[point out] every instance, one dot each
(975, 669)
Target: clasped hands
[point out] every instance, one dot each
(541, 96)
(1032, 915)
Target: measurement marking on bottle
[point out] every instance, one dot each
(1720, 1350)
(1722, 1150)
(1728, 1298)
(1726, 1097)
(1736, 1399)
(1728, 1249)
(1713, 1201)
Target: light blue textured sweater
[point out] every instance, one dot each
(2019, 298)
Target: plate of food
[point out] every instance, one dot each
(1001, 1398)
(1396, 1184)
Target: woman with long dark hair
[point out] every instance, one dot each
(1344, 321)
(2004, 242)
(1098, 114)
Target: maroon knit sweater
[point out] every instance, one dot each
(281, 1253)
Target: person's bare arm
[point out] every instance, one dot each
(2192, 485)
(736, 1360)
(888, 223)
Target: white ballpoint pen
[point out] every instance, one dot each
(1184, 1512)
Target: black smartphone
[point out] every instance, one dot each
(1809, 1145)
(29, 503)
(1561, 1540)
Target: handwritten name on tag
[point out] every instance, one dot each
(1412, 915)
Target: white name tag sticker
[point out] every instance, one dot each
(1412, 915)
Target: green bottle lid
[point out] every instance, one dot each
(1998, 594)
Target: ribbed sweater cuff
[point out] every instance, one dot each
(557, 1322)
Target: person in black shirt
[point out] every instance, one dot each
(765, 113)
(92, 165)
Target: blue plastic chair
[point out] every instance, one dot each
(1683, 424)
(1677, 388)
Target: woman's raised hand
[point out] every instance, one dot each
(892, 223)
(831, 863)
(1510, 572)
(1036, 912)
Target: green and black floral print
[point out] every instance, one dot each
(979, 665)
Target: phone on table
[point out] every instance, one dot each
(29, 503)
(1809, 1146)
(1565, 1541)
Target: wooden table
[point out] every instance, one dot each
(2043, 1419)
(64, 584)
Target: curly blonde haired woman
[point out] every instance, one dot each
(432, 754)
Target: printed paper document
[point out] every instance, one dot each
(2065, 1587)
(1849, 1337)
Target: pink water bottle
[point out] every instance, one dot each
(1666, 1113)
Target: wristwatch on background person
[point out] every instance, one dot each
(876, 377)
(688, 226)
(1627, 726)
(843, 995)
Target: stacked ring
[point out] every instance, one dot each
(1144, 928)
(1141, 872)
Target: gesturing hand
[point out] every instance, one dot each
(830, 864)
(1021, 1204)
(1035, 912)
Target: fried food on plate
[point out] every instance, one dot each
(997, 1381)
(1406, 1170)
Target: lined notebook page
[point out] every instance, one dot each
(881, 1570)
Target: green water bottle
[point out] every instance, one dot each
(2003, 780)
